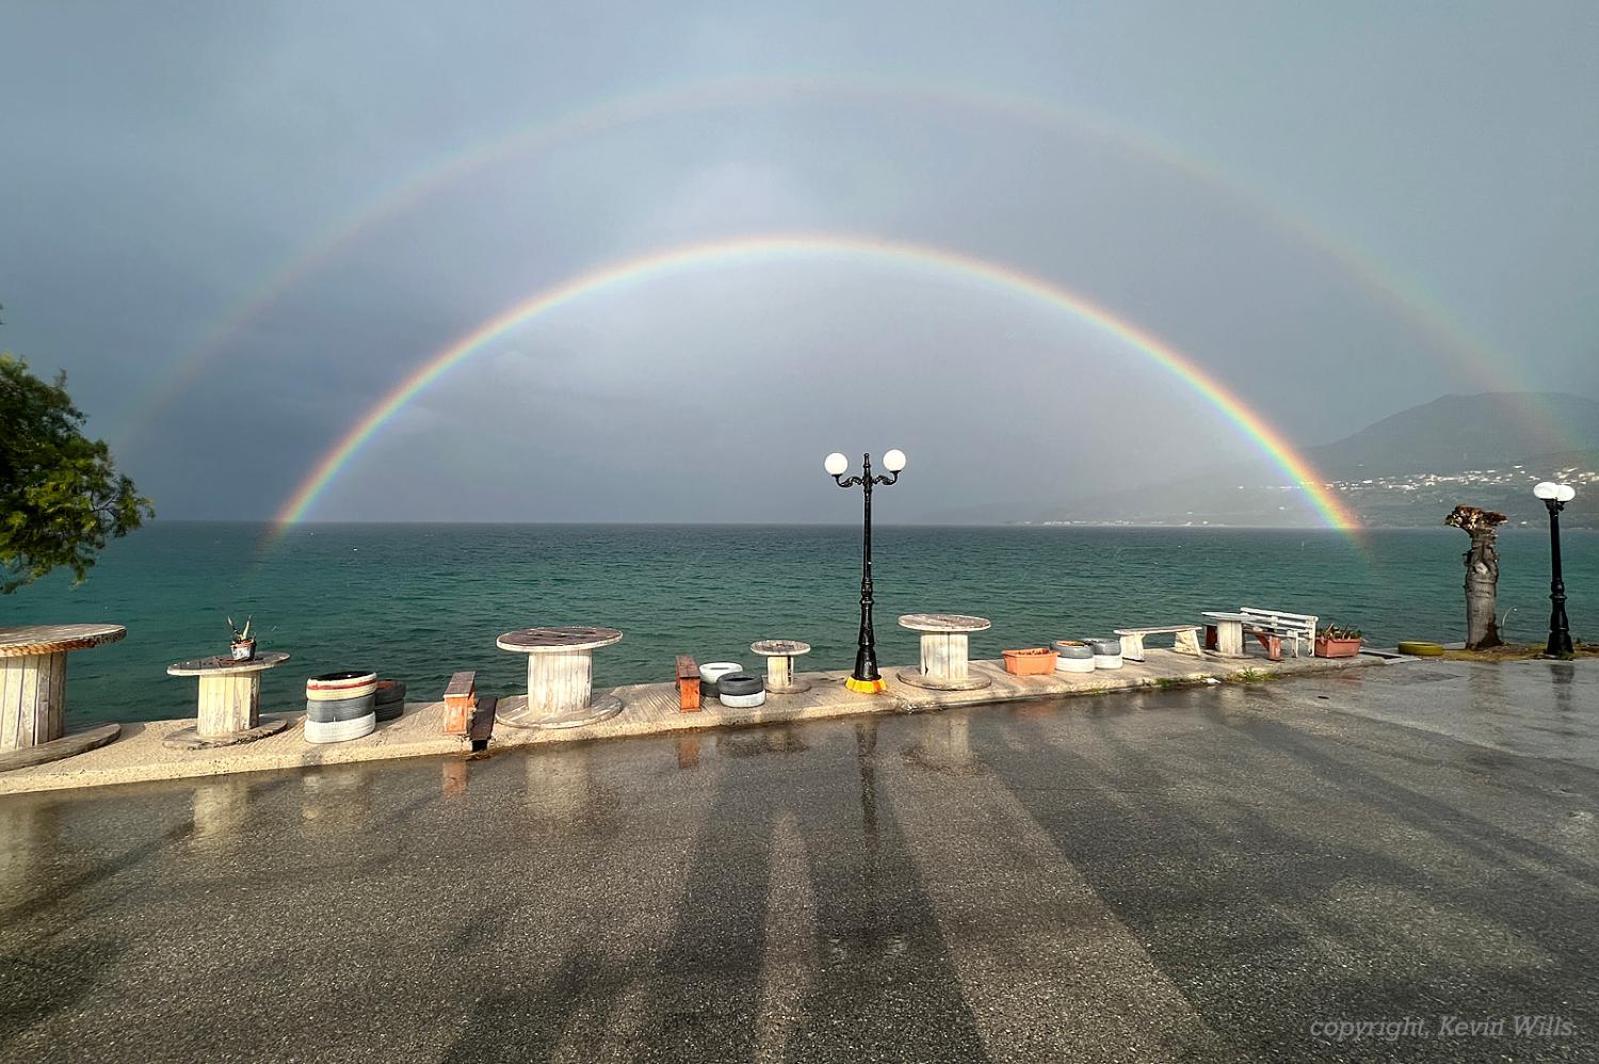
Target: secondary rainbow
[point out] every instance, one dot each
(765, 247)
(1489, 370)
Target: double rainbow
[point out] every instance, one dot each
(1488, 369)
(765, 247)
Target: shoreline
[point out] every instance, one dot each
(138, 756)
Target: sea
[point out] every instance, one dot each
(418, 602)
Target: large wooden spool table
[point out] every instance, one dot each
(33, 692)
(230, 701)
(560, 678)
(780, 654)
(945, 646)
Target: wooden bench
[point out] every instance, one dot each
(460, 699)
(1185, 641)
(1271, 627)
(688, 683)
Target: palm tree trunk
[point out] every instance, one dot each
(1482, 574)
(1482, 591)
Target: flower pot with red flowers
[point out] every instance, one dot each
(1032, 661)
(1335, 641)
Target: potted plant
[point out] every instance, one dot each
(243, 644)
(1336, 641)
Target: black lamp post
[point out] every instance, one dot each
(1555, 497)
(866, 678)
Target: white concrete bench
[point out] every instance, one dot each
(1271, 627)
(1185, 639)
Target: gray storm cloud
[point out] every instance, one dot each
(1337, 213)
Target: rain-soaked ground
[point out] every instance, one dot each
(1217, 874)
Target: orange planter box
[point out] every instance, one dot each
(1033, 661)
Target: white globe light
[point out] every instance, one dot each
(894, 460)
(835, 464)
(1557, 492)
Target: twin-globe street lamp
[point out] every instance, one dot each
(866, 679)
(1555, 496)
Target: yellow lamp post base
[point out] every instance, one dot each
(866, 687)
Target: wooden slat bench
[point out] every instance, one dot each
(1185, 641)
(1271, 627)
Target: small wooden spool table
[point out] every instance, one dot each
(33, 692)
(230, 701)
(560, 678)
(1225, 634)
(780, 654)
(944, 651)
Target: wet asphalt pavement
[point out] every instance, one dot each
(1209, 874)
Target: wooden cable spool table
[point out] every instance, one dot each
(230, 701)
(780, 654)
(33, 692)
(945, 665)
(560, 677)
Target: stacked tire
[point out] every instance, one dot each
(388, 702)
(340, 706)
(1107, 653)
(712, 672)
(740, 690)
(1072, 655)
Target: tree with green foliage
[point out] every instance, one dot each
(61, 497)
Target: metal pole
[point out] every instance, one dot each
(866, 655)
(865, 679)
(1559, 627)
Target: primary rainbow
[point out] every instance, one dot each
(722, 252)
(1488, 369)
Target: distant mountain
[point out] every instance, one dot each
(1458, 432)
(1406, 470)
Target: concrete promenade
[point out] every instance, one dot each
(1210, 874)
(139, 756)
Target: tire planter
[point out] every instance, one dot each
(1073, 656)
(1107, 653)
(740, 690)
(340, 706)
(1420, 649)
(389, 700)
(712, 671)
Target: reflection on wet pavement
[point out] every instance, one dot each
(1197, 874)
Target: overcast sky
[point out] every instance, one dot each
(1338, 210)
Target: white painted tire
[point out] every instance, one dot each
(338, 686)
(1074, 664)
(749, 701)
(712, 671)
(1107, 661)
(339, 731)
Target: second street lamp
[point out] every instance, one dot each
(1555, 497)
(866, 679)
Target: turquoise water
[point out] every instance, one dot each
(418, 602)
